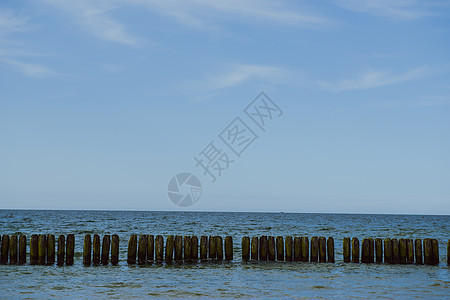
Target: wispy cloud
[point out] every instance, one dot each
(398, 9)
(30, 69)
(373, 79)
(10, 22)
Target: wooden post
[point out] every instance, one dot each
(194, 248)
(115, 249)
(132, 248)
(395, 251)
(159, 248)
(203, 247)
(371, 250)
(346, 249)
(70, 249)
(229, 248)
(297, 248)
(427, 251)
(314, 249)
(330, 249)
(322, 249)
(61, 250)
(378, 250)
(22, 249)
(42, 249)
(34, 249)
(219, 247)
(254, 248)
(355, 250)
(448, 252)
(365, 251)
(169, 248)
(418, 251)
(178, 248)
(245, 248)
(87, 248)
(387, 251)
(402, 251)
(280, 248)
(50, 249)
(105, 248)
(96, 250)
(5, 249)
(150, 248)
(409, 251)
(271, 248)
(289, 245)
(435, 251)
(187, 248)
(142, 249)
(13, 243)
(305, 249)
(263, 247)
(212, 247)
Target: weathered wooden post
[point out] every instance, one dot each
(289, 245)
(212, 247)
(271, 248)
(13, 242)
(115, 249)
(263, 247)
(87, 248)
(388, 251)
(297, 248)
(169, 248)
(427, 251)
(178, 248)
(219, 247)
(245, 248)
(96, 250)
(371, 250)
(418, 251)
(254, 248)
(395, 251)
(203, 247)
(229, 248)
(194, 248)
(150, 247)
(142, 249)
(70, 249)
(322, 249)
(5, 249)
(355, 250)
(22, 249)
(50, 249)
(280, 248)
(105, 249)
(378, 250)
(448, 252)
(132, 248)
(346, 249)
(187, 248)
(314, 249)
(159, 248)
(305, 249)
(402, 251)
(409, 251)
(34, 249)
(365, 251)
(330, 249)
(42, 249)
(435, 251)
(61, 250)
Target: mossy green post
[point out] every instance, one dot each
(289, 248)
(409, 251)
(96, 250)
(170, 243)
(203, 247)
(159, 248)
(87, 250)
(245, 248)
(194, 248)
(187, 249)
(61, 250)
(271, 248)
(22, 249)
(395, 251)
(280, 248)
(178, 248)
(314, 249)
(115, 249)
(34, 240)
(50, 249)
(150, 247)
(142, 249)
(132, 249)
(322, 249)
(219, 247)
(388, 251)
(229, 248)
(305, 249)
(13, 244)
(5, 249)
(42, 249)
(402, 251)
(263, 247)
(330, 250)
(435, 251)
(212, 247)
(254, 248)
(418, 251)
(355, 250)
(378, 250)
(105, 248)
(346, 250)
(297, 248)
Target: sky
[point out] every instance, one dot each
(102, 103)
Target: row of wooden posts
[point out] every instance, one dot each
(148, 248)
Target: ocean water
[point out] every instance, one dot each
(225, 279)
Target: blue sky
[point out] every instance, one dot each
(102, 102)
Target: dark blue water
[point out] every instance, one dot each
(226, 279)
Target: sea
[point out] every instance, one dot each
(235, 279)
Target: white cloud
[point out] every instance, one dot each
(30, 69)
(10, 23)
(374, 79)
